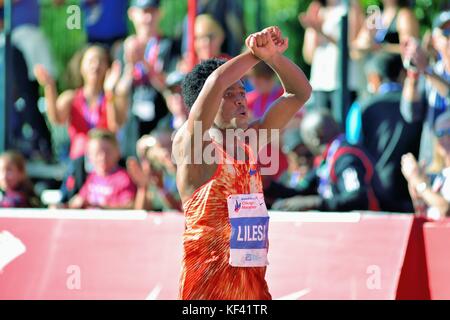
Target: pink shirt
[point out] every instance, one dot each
(114, 190)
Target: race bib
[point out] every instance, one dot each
(249, 221)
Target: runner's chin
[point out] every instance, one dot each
(241, 121)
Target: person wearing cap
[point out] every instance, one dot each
(383, 131)
(431, 195)
(426, 92)
(178, 111)
(147, 60)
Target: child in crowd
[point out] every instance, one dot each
(431, 197)
(16, 190)
(155, 174)
(97, 104)
(108, 186)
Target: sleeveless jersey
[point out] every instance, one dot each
(206, 271)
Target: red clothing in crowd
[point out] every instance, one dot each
(83, 119)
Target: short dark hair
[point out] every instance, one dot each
(388, 66)
(194, 80)
(105, 135)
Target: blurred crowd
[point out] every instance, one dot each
(388, 150)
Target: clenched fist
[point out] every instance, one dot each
(267, 43)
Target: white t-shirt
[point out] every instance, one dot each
(324, 68)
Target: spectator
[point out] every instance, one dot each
(25, 123)
(16, 190)
(300, 159)
(175, 103)
(426, 94)
(343, 180)
(155, 175)
(435, 196)
(107, 186)
(266, 89)
(32, 135)
(229, 15)
(387, 29)
(95, 105)
(209, 37)
(148, 58)
(320, 49)
(383, 131)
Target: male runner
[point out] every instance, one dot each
(225, 238)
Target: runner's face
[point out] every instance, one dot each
(103, 155)
(10, 175)
(233, 111)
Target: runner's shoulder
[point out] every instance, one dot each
(182, 140)
(179, 134)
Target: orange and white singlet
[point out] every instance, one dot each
(225, 239)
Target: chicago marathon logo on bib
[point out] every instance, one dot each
(249, 230)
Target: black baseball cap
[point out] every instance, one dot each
(441, 19)
(144, 4)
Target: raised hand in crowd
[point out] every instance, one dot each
(134, 54)
(312, 19)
